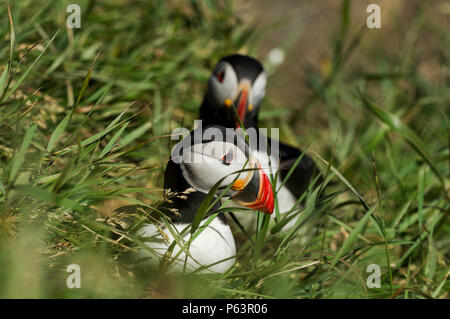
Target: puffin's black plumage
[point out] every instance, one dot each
(303, 173)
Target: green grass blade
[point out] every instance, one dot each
(4, 83)
(20, 156)
(405, 132)
(113, 140)
(261, 235)
(344, 180)
(352, 236)
(205, 206)
(28, 70)
(3, 79)
(58, 131)
(136, 133)
(12, 36)
(86, 81)
(439, 288)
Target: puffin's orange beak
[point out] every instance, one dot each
(256, 193)
(242, 105)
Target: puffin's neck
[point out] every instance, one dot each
(225, 117)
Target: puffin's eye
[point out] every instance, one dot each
(227, 158)
(221, 76)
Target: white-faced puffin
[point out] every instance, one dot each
(197, 163)
(240, 81)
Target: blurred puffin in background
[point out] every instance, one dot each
(240, 81)
(203, 158)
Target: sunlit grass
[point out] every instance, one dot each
(85, 119)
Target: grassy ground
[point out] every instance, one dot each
(84, 119)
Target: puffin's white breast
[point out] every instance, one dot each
(214, 247)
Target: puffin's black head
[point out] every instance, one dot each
(237, 80)
(217, 154)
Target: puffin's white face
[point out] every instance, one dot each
(204, 164)
(223, 85)
(218, 154)
(226, 89)
(258, 89)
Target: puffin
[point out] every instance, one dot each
(208, 158)
(239, 81)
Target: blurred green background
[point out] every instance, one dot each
(85, 116)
